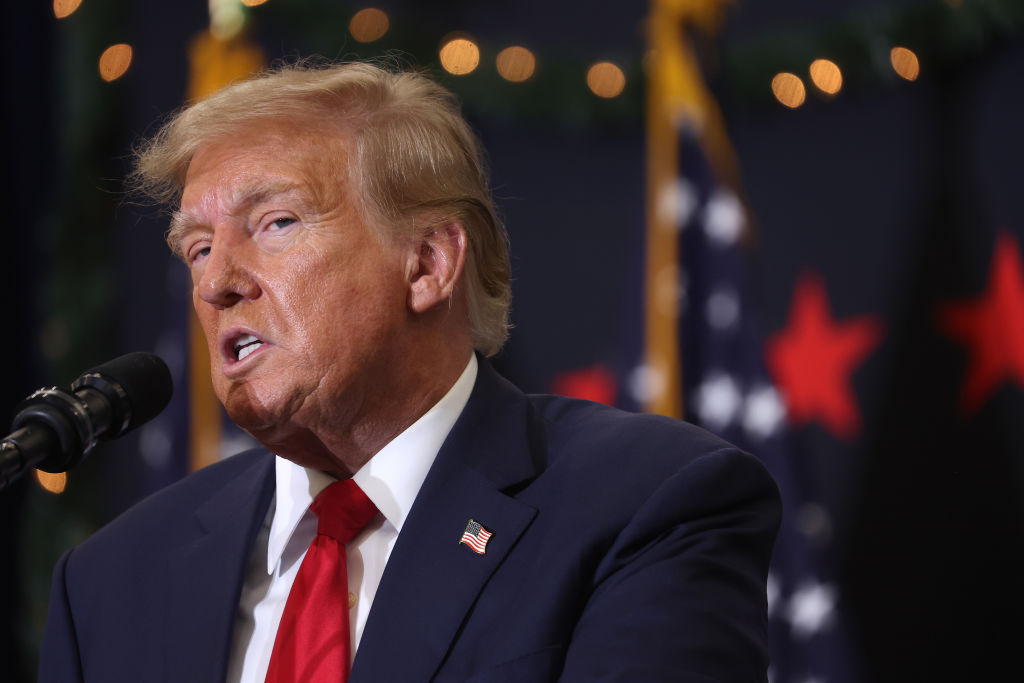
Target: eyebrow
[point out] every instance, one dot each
(182, 222)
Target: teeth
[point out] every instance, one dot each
(246, 344)
(242, 353)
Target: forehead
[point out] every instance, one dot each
(256, 158)
(303, 151)
(226, 174)
(258, 162)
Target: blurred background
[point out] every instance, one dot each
(796, 223)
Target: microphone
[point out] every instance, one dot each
(55, 429)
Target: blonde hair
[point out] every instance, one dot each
(411, 156)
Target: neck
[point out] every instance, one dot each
(340, 443)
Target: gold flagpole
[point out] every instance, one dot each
(676, 97)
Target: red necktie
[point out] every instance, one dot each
(313, 641)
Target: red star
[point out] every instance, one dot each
(812, 359)
(992, 326)
(596, 383)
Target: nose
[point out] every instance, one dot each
(226, 277)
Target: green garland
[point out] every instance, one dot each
(557, 92)
(942, 33)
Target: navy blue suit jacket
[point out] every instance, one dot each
(624, 548)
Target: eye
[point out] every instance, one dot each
(197, 253)
(281, 223)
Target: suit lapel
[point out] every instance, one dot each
(206, 572)
(432, 580)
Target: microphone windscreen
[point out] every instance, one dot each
(146, 382)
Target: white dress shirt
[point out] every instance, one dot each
(391, 479)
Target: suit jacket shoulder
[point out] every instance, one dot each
(160, 514)
(160, 580)
(623, 547)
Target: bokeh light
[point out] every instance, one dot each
(253, 3)
(460, 56)
(54, 483)
(115, 60)
(904, 63)
(826, 76)
(606, 79)
(516, 64)
(64, 8)
(789, 89)
(368, 25)
(227, 18)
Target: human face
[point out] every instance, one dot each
(302, 303)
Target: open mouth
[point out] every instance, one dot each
(245, 345)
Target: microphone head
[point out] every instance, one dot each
(138, 386)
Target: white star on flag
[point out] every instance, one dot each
(723, 217)
(810, 609)
(723, 309)
(763, 412)
(676, 202)
(718, 400)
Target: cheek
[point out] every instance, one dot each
(308, 301)
(330, 293)
(323, 322)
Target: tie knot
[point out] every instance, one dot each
(342, 510)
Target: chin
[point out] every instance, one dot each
(254, 414)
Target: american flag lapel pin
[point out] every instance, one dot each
(476, 537)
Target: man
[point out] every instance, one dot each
(351, 278)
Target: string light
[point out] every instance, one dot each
(904, 63)
(516, 64)
(606, 79)
(226, 18)
(460, 56)
(114, 61)
(826, 76)
(368, 25)
(64, 8)
(789, 89)
(54, 483)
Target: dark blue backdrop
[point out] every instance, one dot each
(894, 193)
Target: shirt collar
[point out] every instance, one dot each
(391, 478)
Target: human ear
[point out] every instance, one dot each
(437, 266)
